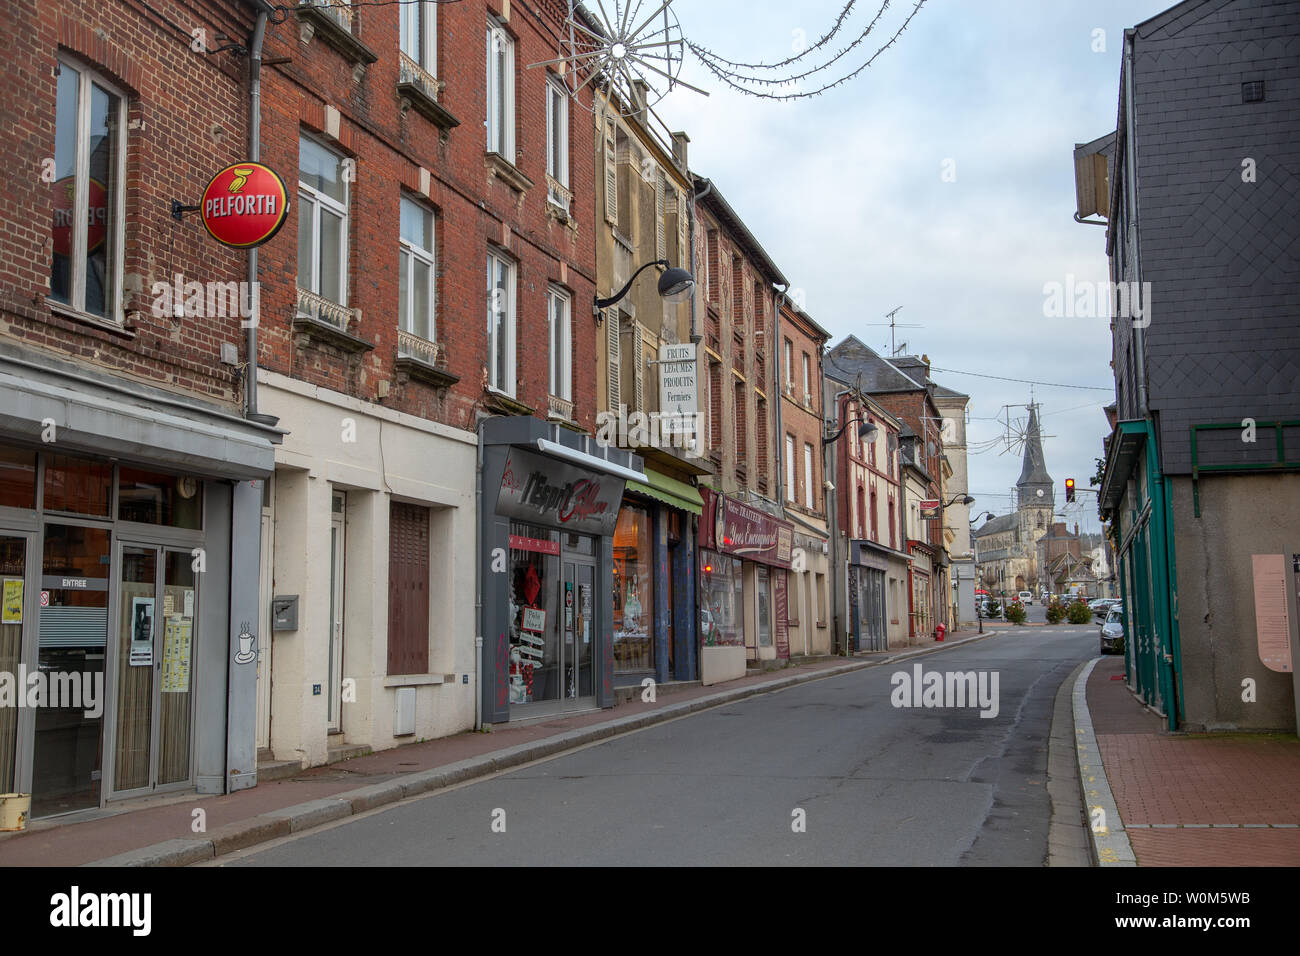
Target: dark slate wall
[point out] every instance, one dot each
(1222, 255)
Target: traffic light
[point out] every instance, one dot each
(1069, 489)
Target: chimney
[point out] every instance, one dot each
(679, 151)
(926, 360)
(1076, 529)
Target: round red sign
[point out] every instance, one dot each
(244, 205)
(96, 215)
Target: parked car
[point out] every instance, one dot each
(1112, 630)
(1026, 598)
(1102, 605)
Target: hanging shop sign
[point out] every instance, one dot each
(929, 509)
(244, 205)
(541, 490)
(735, 528)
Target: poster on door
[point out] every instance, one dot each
(176, 655)
(13, 601)
(141, 632)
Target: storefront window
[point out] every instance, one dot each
(764, 608)
(78, 486)
(17, 478)
(633, 590)
(722, 616)
(534, 635)
(154, 498)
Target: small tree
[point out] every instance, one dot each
(1055, 613)
(995, 609)
(1016, 612)
(1078, 612)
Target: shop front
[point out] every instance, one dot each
(744, 602)
(654, 581)
(922, 597)
(550, 510)
(129, 547)
(875, 575)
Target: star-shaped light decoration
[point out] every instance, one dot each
(637, 51)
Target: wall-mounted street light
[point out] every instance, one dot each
(866, 430)
(965, 499)
(674, 286)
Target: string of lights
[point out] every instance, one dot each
(839, 22)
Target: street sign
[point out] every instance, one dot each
(929, 508)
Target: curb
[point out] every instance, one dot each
(1109, 844)
(303, 816)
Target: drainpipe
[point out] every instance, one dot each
(1130, 190)
(254, 154)
(478, 584)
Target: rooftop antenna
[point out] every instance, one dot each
(894, 324)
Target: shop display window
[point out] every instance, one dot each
(154, 498)
(534, 602)
(722, 593)
(17, 478)
(633, 579)
(78, 486)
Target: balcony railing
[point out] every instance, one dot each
(559, 408)
(410, 72)
(323, 309)
(421, 349)
(338, 10)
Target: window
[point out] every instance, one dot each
(501, 323)
(419, 31)
(87, 197)
(561, 333)
(807, 380)
(500, 91)
(789, 362)
(875, 531)
(789, 468)
(408, 589)
(322, 231)
(557, 139)
(893, 526)
(871, 448)
(415, 277)
(808, 488)
(633, 585)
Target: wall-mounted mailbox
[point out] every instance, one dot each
(284, 612)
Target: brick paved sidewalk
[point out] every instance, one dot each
(1195, 799)
(97, 835)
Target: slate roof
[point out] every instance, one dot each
(1034, 470)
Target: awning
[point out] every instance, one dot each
(670, 491)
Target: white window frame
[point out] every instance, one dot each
(789, 363)
(560, 341)
(422, 15)
(808, 476)
(508, 387)
(807, 378)
(81, 189)
(789, 468)
(500, 101)
(318, 200)
(411, 253)
(557, 127)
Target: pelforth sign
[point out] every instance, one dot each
(244, 205)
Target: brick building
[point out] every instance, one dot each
(130, 463)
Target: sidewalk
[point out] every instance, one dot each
(1194, 799)
(158, 831)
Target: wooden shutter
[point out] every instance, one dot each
(638, 360)
(408, 589)
(661, 213)
(613, 358)
(611, 175)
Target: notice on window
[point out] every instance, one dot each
(1272, 621)
(13, 601)
(534, 620)
(176, 656)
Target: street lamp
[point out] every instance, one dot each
(866, 430)
(674, 286)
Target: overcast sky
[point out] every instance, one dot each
(846, 192)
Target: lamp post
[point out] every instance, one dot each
(674, 285)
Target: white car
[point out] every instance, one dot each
(1026, 598)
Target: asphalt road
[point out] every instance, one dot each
(877, 784)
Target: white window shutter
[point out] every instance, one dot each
(661, 213)
(613, 358)
(611, 175)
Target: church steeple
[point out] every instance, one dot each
(1033, 474)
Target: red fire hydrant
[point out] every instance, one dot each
(939, 632)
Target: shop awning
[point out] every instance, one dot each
(670, 491)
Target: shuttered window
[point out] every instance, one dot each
(613, 358)
(661, 214)
(611, 174)
(408, 589)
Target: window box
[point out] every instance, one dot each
(334, 24)
(507, 172)
(558, 409)
(326, 321)
(423, 360)
(419, 89)
(559, 201)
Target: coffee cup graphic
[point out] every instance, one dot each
(247, 652)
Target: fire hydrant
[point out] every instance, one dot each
(939, 632)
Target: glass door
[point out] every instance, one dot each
(13, 592)
(73, 642)
(337, 552)
(578, 625)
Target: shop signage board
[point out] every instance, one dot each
(781, 608)
(244, 205)
(541, 490)
(929, 508)
(679, 400)
(745, 532)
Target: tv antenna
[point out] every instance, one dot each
(893, 324)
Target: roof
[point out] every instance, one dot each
(1000, 523)
(715, 203)
(1034, 469)
(940, 391)
(852, 357)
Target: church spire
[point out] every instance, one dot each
(1033, 473)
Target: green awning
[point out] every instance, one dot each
(670, 491)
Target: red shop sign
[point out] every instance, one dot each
(244, 205)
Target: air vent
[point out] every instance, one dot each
(1252, 92)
